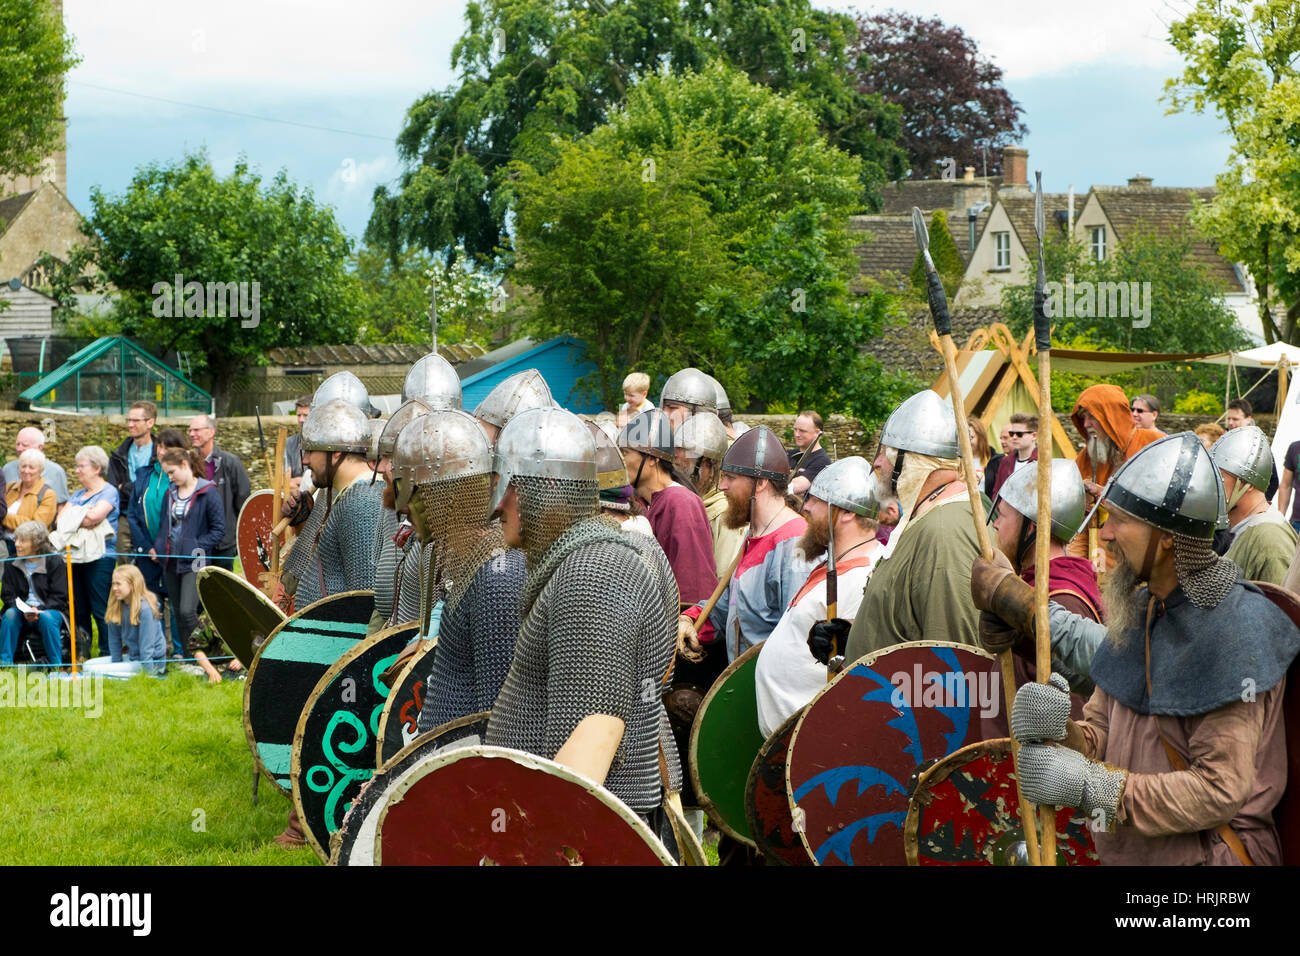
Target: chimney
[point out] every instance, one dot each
(1140, 180)
(968, 174)
(1015, 165)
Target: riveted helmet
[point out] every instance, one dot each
(346, 387)
(433, 381)
(512, 395)
(543, 443)
(611, 471)
(1069, 505)
(406, 412)
(850, 485)
(1245, 453)
(692, 388)
(439, 445)
(923, 424)
(758, 453)
(336, 425)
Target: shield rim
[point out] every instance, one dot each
(764, 754)
(705, 801)
(245, 566)
(392, 693)
(252, 672)
(865, 660)
(528, 761)
(300, 729)
(212, 571)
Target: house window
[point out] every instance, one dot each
(1002, 250)
(1098, 246)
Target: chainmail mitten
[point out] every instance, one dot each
(1060, 777)
(1041, 710)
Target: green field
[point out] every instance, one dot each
(162, 776)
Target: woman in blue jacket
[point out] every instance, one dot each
(193, 523)
(144, 512)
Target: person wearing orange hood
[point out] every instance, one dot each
(1110, 436)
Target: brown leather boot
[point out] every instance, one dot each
(292, 838)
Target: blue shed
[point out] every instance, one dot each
(561, 361)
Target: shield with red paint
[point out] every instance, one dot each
(864, 736)
(491, 806)
(965, 812)
(397, 724)
(767, 803)
(253, 538)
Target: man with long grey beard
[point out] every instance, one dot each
(1180, 758)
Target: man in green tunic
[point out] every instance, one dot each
(920, 589)
(1263, 542)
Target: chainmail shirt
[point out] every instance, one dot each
(342, 551)
(385, 563)
(476, 641)
(594, 640)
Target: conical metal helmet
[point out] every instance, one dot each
(439, 445)
(406, 412)
(849, 484)
(1172, 484)
(1245, 452)
(346, 387)
(702, 436)
(757, 454)
(724, 403)
(543, 443)
(433, 380)
(924, 424)
(692, 388)
(336, 425)
(650, 433)
(1069, 504)
(611, 471)
(512, 395)
(375, 426)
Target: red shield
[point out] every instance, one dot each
(767, 803)
(965, 812)
(253, 536)
(397, 723)
(490, 806)
(864, 736)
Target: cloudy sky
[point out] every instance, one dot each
(319, 87)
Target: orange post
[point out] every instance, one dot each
(72, 608)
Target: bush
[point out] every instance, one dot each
(1198, 403)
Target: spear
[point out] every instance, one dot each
(943, 327)
(832, 588)
(1043, 537)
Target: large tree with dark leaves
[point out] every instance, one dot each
(538, 73)
(954, 105)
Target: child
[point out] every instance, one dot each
(635, 389)
(142, 630)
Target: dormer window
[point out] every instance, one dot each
(1097, 247)
(1002, 250)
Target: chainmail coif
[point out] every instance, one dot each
(456, 512)
(548, 507)
(594, 640)
(1204, 577)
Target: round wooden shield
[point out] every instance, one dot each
(863, 737)
(490, 806)
(334, 743)
(253, 539)
(965, 812)
(286, 669)
(242, 615)
(397, 723)
(767, 804)
(354, 843)
(724, 741)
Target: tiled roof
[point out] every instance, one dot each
(926, 194)
(905, 347)
(11, 207)
(1019, 206)
(317, 355)
(889, 245)
(1164, 209)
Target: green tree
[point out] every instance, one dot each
(396, 297)
(1241, 63)
(35, 53)
(947, 260)
(535, 73)
(183, 220)
(705, 224)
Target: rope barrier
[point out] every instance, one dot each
(166, 660)
(120, 554)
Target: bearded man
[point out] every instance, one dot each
(920, 588)
(1180, 758)
(1263, 541)
(597, 625)
(841, 510)
(1104, 419)
(755, 478)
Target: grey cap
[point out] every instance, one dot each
(512, 395)
(405, 413)
(1172, 484)
(923, 424)
(439, 445)
(1245, 453)
(1069, 504)
(650, 433)
(702, 436)
(543, 443)
(849, 484)
(692, 388)
(346, 387)
(757, 454)
(336, 425)
(434, 381)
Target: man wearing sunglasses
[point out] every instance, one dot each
(1021, 449)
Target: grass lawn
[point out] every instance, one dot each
(127, 787)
